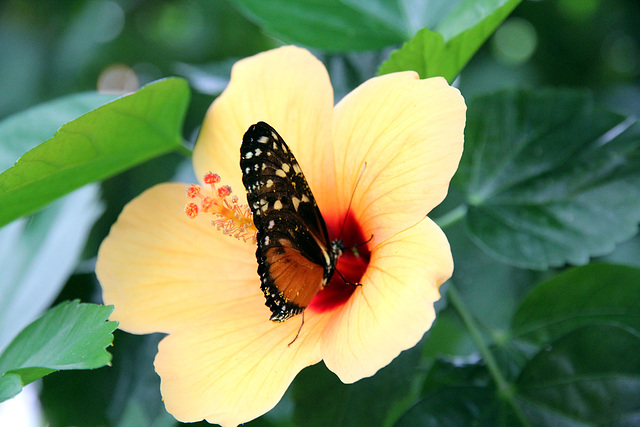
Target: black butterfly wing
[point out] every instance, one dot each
(294, 258)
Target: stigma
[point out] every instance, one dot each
(229, 216)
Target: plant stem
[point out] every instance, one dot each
(181, 149)
(504, 388)
(451, 217)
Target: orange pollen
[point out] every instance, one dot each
(193, 191)
(211, 178)
(224, 191)
(230, 217)
(191, 209)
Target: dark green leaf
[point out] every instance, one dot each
(331, 24)
(99, 144)
(322, 400)
(337, 25)
(479, 279)
(454, 394)
(593, 294)
(69, 336)
(589, 377)
(550, 177)
(446, 50)
(447, 336)
(23, 131)
(452, 406)
(38, 254)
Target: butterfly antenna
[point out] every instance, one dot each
(353, 193)
(298, 333)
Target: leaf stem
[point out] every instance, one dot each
(184, 151)
(505, 390)
(451, 217)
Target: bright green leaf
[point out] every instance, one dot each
(589, 377)
(593, 294)
(110, 397)
(446, 50)
(38, 254)
(550, 178)
(69, 336)
(99, 144)
(23, 131)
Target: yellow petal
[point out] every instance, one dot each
(410, 134)
(235, 368)
(287, 88)
(393, 308)
(162, 270)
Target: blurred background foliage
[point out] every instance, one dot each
(51, 49)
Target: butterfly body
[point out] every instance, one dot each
(295, 257)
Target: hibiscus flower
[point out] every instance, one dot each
(223, 360)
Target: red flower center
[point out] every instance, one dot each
(350, 268)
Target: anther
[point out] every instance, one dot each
(224, 191)
(211, 178)
(193, 191)
(191, 209)
(230, 217)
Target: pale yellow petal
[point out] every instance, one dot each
(393, 308)
(410, 134)
(162, 270)
(234, 367)
(287, 88)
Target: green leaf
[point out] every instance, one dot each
(370, 401)
(590, 376)
(550, 178)
(452, 406)
(128, 393)
(103, 142)
(23, 131)
(343, 25)
(593, 294)
(69, 336)
(447, 49)
(455, 393)
(38, 254)
(330, 24)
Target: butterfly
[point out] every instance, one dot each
(295, 257)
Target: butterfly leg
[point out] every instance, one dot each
(299, 329)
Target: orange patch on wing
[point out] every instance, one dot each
(295, 276)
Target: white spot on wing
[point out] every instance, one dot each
(272, 224)
(281, 173)
(263, 140)
(296, 168)
(296, 203)
(277, 205)
(248, 155)
(269, 183)
(285, 167)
